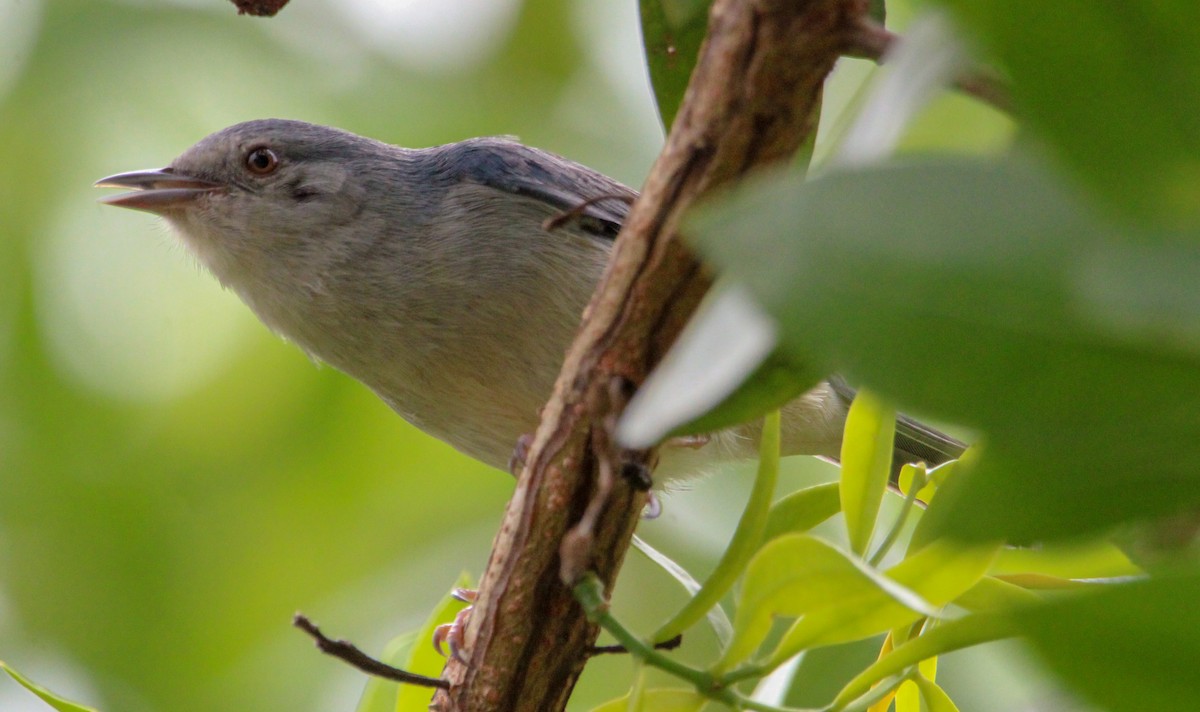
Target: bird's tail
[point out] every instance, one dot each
(917, 442)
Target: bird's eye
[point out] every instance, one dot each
(261, 161)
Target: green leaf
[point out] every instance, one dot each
(878, 11)
(985, 293)
(47, 696)
(908, 697)
(790, 576)
(1114, 87)
(660, 700)
(803, 509)
(932, 577)
(672, 31)
(1127, 647)
(936, 699)
(745, 541)
(1084, 560)
(993, 594)
(839, 597)
(866, 463)
(946, 637)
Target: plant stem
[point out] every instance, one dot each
(910, 499)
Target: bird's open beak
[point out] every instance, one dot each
(156, 191)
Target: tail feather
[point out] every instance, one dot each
(917, 442)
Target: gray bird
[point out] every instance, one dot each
(427, 274)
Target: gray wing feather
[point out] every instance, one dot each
(559, 183)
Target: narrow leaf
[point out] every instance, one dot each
(932, 577)
(936, 699)
(866, 463)
(745, 541)
(721, 625)
(799, 511)
(789, 576)
(47, 696)
(672, 31)
(945, 638)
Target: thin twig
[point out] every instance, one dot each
(873, 41)
(345, 651)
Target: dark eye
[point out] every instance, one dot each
(261, 161)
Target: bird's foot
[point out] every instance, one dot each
(453, 634)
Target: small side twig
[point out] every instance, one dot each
(669, 644)
(346, 652)
(873, 41)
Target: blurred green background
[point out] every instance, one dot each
(175, 481)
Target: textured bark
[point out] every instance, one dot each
(752, 101)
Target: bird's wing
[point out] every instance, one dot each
(601, 202)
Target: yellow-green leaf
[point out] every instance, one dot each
(992, 594)
(936, 699)
(789, 576)
(802, 510)
(935, 576)
(908, 697)
(47, 696)
(746, 538)
(946, 637)
(866, 463)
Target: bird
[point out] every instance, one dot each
(430, 275)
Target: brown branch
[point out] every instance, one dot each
(873, 41)
(752, 101)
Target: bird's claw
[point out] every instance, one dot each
(653, 506)
(693, 442)
(453, 634)
(516, 462)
